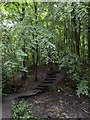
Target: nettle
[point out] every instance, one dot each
(71, 64)
(83, 86)
(21, 111)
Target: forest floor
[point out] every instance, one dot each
(54, 103)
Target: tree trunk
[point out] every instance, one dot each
(78, 37)
(83, 48)
(36, 64)
(88, 31)
(76, 33)
(24, 74)
(33, 54)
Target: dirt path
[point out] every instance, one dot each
(59, 105)
(53, 105)
(6, 106)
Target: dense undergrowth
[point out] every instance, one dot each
(21, 111)
(77, 71)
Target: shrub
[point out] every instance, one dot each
(82, 88)
(71, 63)
(83, 85)
(21, 111)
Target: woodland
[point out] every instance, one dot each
(45, 60)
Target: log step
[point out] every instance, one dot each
(48, 82)
(42, 85)
(51, 76)
(41, 88)
(27, 95)
(35, 90)
(49, 79)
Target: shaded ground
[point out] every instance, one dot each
(59, 105)
(51, 104)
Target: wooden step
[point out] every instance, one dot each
(41, 88)
(51, 76)
(49, 79)
(36, 90)
(28, 95)
(25, 96)
(42, 85)
(48, 82)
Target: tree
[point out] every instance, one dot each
(24, 74)
(75, 30)
(88, 9)
(36, 49)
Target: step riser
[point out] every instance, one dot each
(51, 77)
(47, 82)
(26, 97)
(41, 88)
(51, 74)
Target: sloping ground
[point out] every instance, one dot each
(54, 105)
(50, 80)
(60, 105)
(6, 106)
(49, 105)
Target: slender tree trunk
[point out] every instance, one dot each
(33, 54)
(64, 35)
(83, 48)
(78, 37)
(76, 34)
(24, 74)
(88, 31)
(24, 63)
(52, 27)
(36, 64)
(72, 37)
(72, 26)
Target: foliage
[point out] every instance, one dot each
(21, 111)
(71, 63)
(83, 85)
(82, 88)
(43, 34)
(56, 89)
(49, 53)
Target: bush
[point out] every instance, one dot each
(71, 63)
(82, 88)
(83, 85)
(21, 111)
